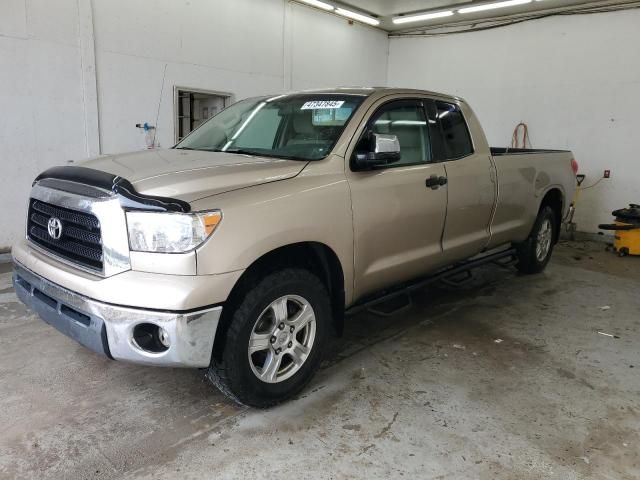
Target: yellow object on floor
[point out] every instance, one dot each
(627, 242)
(627, 230)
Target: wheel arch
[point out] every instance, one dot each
(554, 198)
(316, 257)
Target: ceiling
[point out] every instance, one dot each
(386, 10)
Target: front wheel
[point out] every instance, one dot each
(275, 340)
(534, 253)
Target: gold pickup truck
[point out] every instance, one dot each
(240, 249)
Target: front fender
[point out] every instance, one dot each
(315, 206)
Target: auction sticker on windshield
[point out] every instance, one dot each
(318, 104)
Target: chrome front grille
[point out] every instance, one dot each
(80, 237)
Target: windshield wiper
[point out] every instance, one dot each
(265, 154)
(201, 149)
(240, 151)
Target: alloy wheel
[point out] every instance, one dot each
(282, 338)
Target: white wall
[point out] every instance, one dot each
(575, 80)
(41, 101)
(244, 47)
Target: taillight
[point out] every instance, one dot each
(574, 166)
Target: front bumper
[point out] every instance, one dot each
(108, 329)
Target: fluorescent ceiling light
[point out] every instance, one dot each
(421, 16)
(357, 16)
(319, 4)
(491, 6)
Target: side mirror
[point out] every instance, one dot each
(383, 150)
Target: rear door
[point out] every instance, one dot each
(471, 182)
(397, 218)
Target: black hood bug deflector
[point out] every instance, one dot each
(116, 184)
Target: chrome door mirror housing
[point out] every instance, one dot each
(383, 150)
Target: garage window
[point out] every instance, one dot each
(193, 107)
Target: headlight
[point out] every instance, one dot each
(170, 232)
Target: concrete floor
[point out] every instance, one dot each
(507, 378)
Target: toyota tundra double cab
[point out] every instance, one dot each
(240, 249)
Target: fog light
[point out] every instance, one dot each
(163, 336)
(151, 338)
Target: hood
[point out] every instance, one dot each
(190, 175)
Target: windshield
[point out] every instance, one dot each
(300, 127)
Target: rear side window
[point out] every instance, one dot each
(455, 135)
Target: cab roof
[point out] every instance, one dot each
(368, 91)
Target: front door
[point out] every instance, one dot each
(398, 211)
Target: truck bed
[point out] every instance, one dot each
(524, 174)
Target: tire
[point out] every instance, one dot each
(257, 379)
(534, 253)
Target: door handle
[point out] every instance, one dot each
(434, 182)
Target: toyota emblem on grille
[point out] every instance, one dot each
(54, 227)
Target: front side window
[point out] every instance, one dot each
(455, 135)
(407, 121)
(299, 127)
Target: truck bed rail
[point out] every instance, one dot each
(496, 151)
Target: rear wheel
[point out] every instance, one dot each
(534, 253)
(275, 339)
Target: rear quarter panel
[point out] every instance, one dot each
(523, 181)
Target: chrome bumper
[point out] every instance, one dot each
(108, 329)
